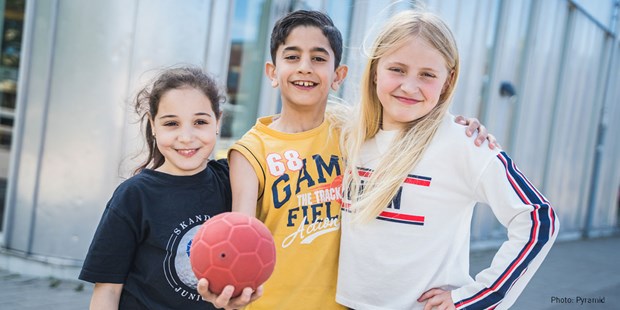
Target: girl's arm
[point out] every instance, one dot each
(437, 298)
(532, 228)
(106, 296)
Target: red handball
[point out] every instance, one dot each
(233, 248)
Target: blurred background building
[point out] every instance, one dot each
(543, 76)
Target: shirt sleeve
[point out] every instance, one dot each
(249, 148)
(116, 239)
(532, 228)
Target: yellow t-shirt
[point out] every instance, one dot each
(299, 201)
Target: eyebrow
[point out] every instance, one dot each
(397, 63)
(196, 114)
(314, 49)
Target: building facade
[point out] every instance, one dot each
(543, 76)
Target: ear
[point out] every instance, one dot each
(151, 124)
(218, 123)
(341, 74)
(270, 72)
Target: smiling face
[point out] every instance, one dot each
(185, 130)
(305, 68)
(409, 82)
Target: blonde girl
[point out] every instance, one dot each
(412, 180)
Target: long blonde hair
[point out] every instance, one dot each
(411, 142)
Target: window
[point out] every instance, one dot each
(11, 25)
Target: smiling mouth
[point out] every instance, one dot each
(305, 83)
(187, 152)
(407, 100)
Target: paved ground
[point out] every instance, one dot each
(573, 270)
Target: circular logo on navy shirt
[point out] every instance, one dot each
(181, 259)
(176, 265)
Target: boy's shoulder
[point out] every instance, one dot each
(262, 138)
(451, 139)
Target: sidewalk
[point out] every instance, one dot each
(572, 272)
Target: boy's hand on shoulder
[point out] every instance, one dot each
(473, 125)
(224, 300)
(437, 298)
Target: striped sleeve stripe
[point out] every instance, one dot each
(540, 199)
(542, 217)
(516, 170)
(552, 217)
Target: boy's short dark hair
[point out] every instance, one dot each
(286, 24)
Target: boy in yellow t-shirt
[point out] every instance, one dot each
(286, 170)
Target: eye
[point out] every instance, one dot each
(201, 122)
(396, 69)
(319, 59)
(428, 75)
(291, 57)
(171, 123)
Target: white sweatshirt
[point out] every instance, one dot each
(421, 241)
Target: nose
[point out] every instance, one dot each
(186, 135)
(409, 85)
(305, 65)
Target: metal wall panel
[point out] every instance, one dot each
(606, 185)
(30, 116)
(598, 9)
(473, 28)
(572, 134)
(538, 88)
(506, 61)
(70, 142)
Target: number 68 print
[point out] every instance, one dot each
(278, 164)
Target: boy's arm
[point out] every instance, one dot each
(244, 184)
(106, 296)
(473, 125)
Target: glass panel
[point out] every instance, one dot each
(11, 25)
(340, 12)
(246, 66)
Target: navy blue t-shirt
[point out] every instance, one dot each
(145, 233)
